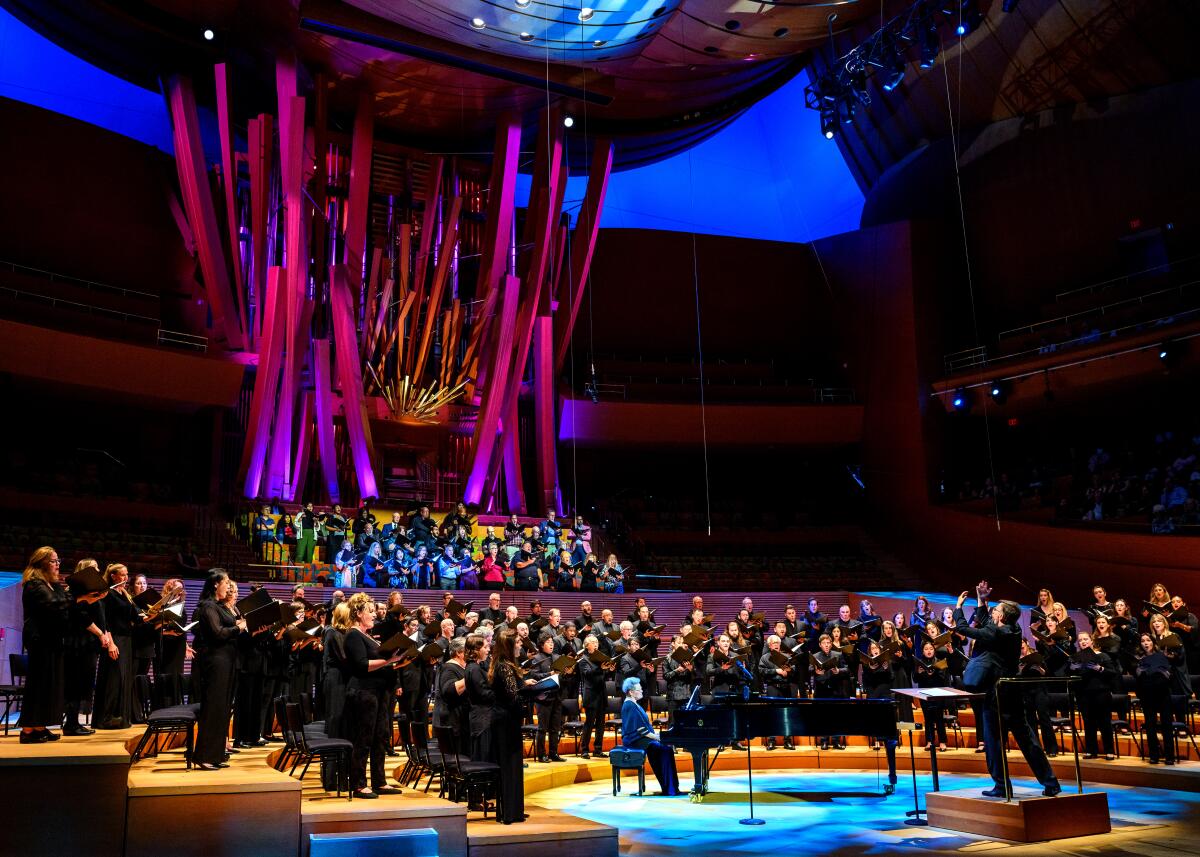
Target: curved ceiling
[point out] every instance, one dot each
(1043, 54)
(657, 75)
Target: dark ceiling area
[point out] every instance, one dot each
(657, 77)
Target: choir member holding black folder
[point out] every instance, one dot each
(86, 637)
(217, 631)
(369, 679)
(507, 680)
(47, 606)
(1095, 671)
(115, 708)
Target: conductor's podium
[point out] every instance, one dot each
(1029, 817)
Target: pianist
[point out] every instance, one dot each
(637, 733)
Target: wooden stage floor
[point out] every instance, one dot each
(251, 806)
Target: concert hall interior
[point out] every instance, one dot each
(462, 427)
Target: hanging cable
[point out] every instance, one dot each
(962, 213)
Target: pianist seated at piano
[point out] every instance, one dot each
(637, 733)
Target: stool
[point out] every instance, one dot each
(625, 759)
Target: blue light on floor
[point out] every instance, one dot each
(840, 812)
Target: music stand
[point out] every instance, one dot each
(934, 695)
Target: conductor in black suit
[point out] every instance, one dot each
(996, 654)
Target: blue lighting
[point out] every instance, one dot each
(769, 174)
(37, 71)
(958, 401)
(961, 29)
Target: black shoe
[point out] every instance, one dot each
(994, 791)
(232, 749)
(738, 745)
(889, 789)
(261, 742)
(600, 754)
(770, 745)
(1091, 755)
(585, 755)
(557, 758)
(366, 795)
(387, 790)
(1168, 761)
(34, 737)
(78, 729)
(1109, 757)
(240, 745)
(51, 736)
(207, 766)
(1152, 761)
(1051, 791)
(788, 745)
(542, 759)
(390, 751)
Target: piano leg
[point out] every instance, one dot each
(699, 774)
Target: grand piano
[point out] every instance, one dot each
(699, 728)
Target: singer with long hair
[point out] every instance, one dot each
(217, 632)
(46, 605)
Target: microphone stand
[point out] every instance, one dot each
(749, 766)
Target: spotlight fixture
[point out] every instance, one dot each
(478, 23)
(828, 123)
(999, 392)
(930, 45)
(599, 43)
(1170, 352)
(893, 74)
(585, 14)
(970, 18)
(568, 121)
(526, 37)
(961, 400)
(523, 4)
(209, 35)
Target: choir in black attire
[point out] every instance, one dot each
(217, 631)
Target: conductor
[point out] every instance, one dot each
(996, 654)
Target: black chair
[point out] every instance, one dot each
(464, 778)
(1059, 702)
(337, 750)
(659, 713)
(174, 720)
(430, 763)
(13, 694)
(612, 715)
(572, 725)
(291, 748)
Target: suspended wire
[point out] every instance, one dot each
(962, 213)
(699, 333)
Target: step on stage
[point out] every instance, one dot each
(1028, 817)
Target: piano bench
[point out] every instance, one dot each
(625, 759)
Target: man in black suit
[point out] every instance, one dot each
(996, 654)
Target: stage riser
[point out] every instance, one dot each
(451, 830)
(603, 845)
(1021, 820)
(36, 797)
(266, 824)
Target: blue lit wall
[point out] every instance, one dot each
(769, 174)
(36, 71)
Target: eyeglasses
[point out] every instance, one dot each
(55, 561)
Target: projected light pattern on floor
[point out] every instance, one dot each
(827, 812)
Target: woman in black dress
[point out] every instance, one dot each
(217, 630)
(480, 697)
(507, 679)
(369, 680)
(86, 637)
(333, 687)
(115, 707)
(46, 605)
(172, 648)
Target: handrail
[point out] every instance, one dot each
(87, 284)
(186, 340)
(1101, 310)
(1059, 296)
(88, 308)
(1086, 339)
